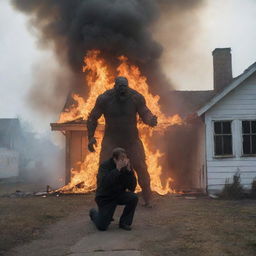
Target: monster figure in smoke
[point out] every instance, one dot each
(120, 106)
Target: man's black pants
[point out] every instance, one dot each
(103, 217)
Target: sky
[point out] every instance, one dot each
(20, 59)
(19, 55)
(229, 23)
(218, 24)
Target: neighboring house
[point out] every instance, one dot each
(10, 144)
(230, 132)
(225, 131)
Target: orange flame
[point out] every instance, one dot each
(99, 79)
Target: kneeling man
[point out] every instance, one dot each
(116, 183)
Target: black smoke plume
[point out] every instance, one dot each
(116, 27)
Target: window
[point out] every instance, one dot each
(249, 137)
(222, 138)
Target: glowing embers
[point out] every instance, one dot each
(99, 79)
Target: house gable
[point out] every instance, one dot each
(235, 84)
(239, 103)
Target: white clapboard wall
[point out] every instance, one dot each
(238, 105)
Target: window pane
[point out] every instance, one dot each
(253, 126)
(227, 145)
(246, 126)
(246, 144)
(226, 127)
(218, 145)
(217, 127)
(253, 144)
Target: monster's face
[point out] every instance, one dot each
(121, 87)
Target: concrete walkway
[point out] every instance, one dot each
(113, 242)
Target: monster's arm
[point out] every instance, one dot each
(144, 112)
(92, 122)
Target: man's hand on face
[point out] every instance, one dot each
(125, 162)
(128, 166)
(120, 163)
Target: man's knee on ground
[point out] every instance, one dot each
(102, 224)
(102, 227)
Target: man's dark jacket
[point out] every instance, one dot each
(111, 182)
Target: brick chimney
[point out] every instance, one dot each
(222, 68)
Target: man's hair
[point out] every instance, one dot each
(117, 152)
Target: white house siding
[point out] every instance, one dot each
(9, 163)
(238, 105)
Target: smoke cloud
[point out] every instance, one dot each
(115, 27)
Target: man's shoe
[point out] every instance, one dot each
(92, 213)
(125, 227)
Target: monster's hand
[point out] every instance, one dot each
(92, 142)
(153, 121)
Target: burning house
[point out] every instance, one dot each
(172, 165)
(83, 164)
(210, 137)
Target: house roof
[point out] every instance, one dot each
(233, 85)
(187, 102)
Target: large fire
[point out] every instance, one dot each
(99, 78)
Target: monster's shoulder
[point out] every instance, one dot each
(104, 97)
(137, 97)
